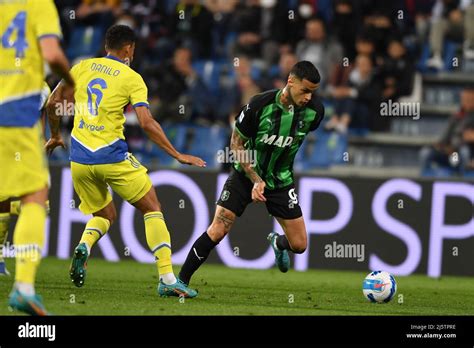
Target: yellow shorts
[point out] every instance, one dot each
(129, 179)
(23, 163)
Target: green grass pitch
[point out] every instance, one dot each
(129, 288)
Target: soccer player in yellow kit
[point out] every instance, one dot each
(13, 207)
(30, 35)
(100, 157)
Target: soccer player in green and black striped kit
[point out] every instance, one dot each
(273, 126)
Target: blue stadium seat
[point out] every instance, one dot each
(209, 72)
(449, 52)
(206, 142)
(85, 41)
(469, 174)
(326, 150)
(176, 133)
(441, 172)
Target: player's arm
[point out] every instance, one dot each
(63, 92)
(53, 54)
(246, 125)
(45, 21)
(237, 145)
(154, 131)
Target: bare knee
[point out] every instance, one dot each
(108, 213)
(221, 225)
(298, 247)
(148, 203)
(217, 232)
(39, 197)
(112, 217)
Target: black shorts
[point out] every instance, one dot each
(237, 194)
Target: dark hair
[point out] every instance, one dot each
(118, 36)
(306, 70)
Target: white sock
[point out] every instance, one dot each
(168, 278)
(25, 288)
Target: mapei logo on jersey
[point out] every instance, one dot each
(37, 331)
(280, 141)
(90, 127)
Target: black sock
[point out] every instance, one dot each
(196, 256)
(282, 243)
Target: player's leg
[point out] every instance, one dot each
(202, 247)
(95, 229)
(96, 200)
(4, 223)
(295, 238)
(159, 241)
(130, 180)
(284, 206)
(28, 239)
(234, 198)
(7, 208)
(15, 207)
(25, 176)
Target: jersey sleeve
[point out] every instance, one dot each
(246, 122)
(138, 92)
(45, 92)
(46, 20)
(319, 116)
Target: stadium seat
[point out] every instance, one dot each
(85, 41)
(205, 142)
(326, 149)
(209, 72)
(449, 52)
(441, 172)
(176, 133)
(469, 174)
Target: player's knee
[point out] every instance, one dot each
(112, 218)
(217, 232)
(110, 215)
(299, 247)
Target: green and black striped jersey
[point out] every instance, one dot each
(275, 134)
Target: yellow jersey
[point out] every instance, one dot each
(104, 87)
(23, 23)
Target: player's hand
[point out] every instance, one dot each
(191, 160)
(257, 192)
(52, 143)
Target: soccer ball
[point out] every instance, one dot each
(379, 287)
